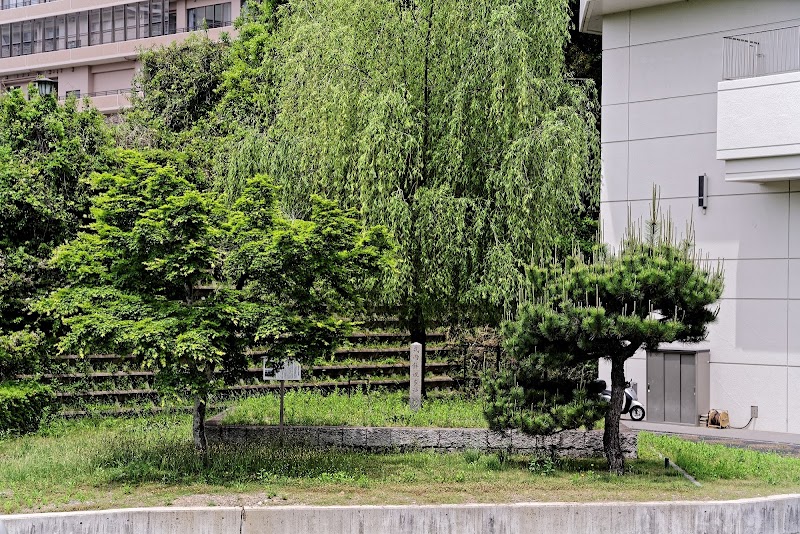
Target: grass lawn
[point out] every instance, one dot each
(358, 409)
(110, 463)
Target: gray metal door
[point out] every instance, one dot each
(688, 394)
(672, 388)
(655, 387)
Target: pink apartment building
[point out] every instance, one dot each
(90, 47)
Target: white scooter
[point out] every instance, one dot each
(631, 405)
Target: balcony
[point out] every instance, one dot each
(758, 106)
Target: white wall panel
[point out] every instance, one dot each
(661, 70)
(793, 325)
(737, 387)
(615, 76)
(793, 401)
(736, 226)
(674, 116)
(794, 281)
(794, 225)
(672, 163)
(749, 331)
(615, 171)
(757, 279)
(708, 16)
(613, 221)
(614, 126)
(616, 30)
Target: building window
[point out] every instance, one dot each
(216, 16)
(125, 22)
(76, 93)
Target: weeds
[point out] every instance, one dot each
(375, 408)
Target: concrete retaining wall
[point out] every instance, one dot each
(771, 515)
(571, 443)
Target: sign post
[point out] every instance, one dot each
(289, 370)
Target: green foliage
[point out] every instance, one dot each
(137, 272)
(358, 409)
(178, 84)
(451, 124)
(303, 277)
(45, 150)
(655, 289)
(166, 274)
(22, 405)
(539, 394)
(21, 352)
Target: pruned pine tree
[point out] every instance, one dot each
(655, 288)
(152, 276)
(448, 121)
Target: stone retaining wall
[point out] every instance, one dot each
(570, 443)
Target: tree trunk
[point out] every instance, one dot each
(199, 425)
(416, 327)
(611, 438)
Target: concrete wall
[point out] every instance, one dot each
(571, 443)
(771, 515)
(661, 71)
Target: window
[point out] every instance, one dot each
(5, 40)
(156, 18)
(216, 16)
(107, 23)
(76, 93)
(61, 32)
(16, 39)
(119, 23)
(124, 22)
(49, 34)
(144, 19)
(73, 41)
(95, 36)
(130, 22)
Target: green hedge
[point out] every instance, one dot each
(22, 405)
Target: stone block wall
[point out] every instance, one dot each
(570, 443)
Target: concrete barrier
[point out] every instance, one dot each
(769, 515)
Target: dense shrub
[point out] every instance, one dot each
(20, 353)
(22, 405)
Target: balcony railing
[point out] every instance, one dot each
(80, 95)
(761, 53)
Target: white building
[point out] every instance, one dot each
(90, 47)
(711, 88)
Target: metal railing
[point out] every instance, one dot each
(98, 93)
(761, 53)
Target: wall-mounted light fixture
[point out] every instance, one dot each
(46, 86)
(702, 191)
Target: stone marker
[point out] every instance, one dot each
(415, 393)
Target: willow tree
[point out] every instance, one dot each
(450, 122)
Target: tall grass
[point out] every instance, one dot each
(711, 462)
(358, 409)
